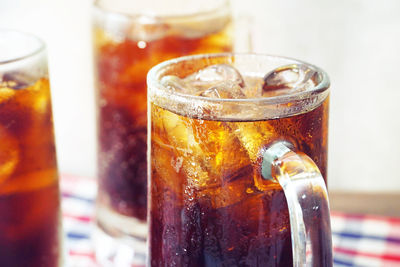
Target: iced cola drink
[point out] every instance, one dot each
(210, 122)
(29, 193)
(127, 45)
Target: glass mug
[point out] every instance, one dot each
(130, 38)
(30, 223)
(237, 152)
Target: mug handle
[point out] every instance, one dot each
(307, 201)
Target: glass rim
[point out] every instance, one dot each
(192, 15)
(41, 46)
(157, 89)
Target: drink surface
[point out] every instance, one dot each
(209, 204)
(29, 194)
(122, 66)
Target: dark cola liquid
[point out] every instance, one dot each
(209, 205)
(29, 193)
(121, 69)
(29, 228)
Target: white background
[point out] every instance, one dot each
(356, 41)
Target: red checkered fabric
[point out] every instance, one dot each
(358, 240)
(364, 240)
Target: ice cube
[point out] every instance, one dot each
(30, 181)
(16, 80)
(226, 89)
(9, 153)
(148, 28)
(229, 173)
(201, 154)
(176, 150)
(6, 94)
(216, 81)
(254, 136)
(27, 91)
(289, 78)
(174, 83)
(212, 93)
(41, 101)
(205, 85)
(193, 29)
(253, 88)
(215, 74)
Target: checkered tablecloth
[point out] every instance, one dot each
(358, 240)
